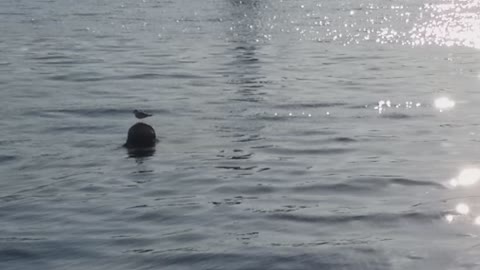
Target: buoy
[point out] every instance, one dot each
(141, 135)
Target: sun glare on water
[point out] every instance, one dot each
(465, 211)
(444, 103)
(467, 177)
(462, 209)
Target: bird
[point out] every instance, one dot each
(141, 114)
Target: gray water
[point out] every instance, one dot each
(292, 134)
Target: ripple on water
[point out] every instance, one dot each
(308, 191)
(311, 105)
(375, 219)
(79, 77)
(310, 151)
(396, 115)
(244, 189)
(365, 185)
(342, 139)
(7, 158)
(279, 258)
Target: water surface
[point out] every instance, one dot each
(293, 134)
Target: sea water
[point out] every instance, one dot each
(292, 134)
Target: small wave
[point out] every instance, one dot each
(244, 189)
(246, 99)
(321, 151)
(251, 138)
(21, 239)
(11, 198)
(245, 48)
(89, 189)
(373, 218)
(85, 129)
(138, 206)
(357, 106)
(273, 117)
(144, 76)
(16, 254)
(7, 158)
(396, 115)
(366, 185)
(311, 105)
(235, 156)
(79, 77)
(328, 188)
(409, 182)
(315, 132)
(343, 139)
(50, 57)
(263, 146)
(254, 82)
(94, 76)
(13, 14)
(89, 14)
(142, 250)
(256, 257)
(236, 168)
(396, 181)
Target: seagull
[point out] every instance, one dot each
(141, 114)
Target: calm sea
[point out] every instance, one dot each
(293, 134)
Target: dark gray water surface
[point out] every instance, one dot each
(293, 134)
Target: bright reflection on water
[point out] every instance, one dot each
(477, 220)
(444, 103)
(445, 23)
(383, 105)
(466, 210)
(451, 23)
(462, 209)
(466, 177)
(449, 218)
(454, 23)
